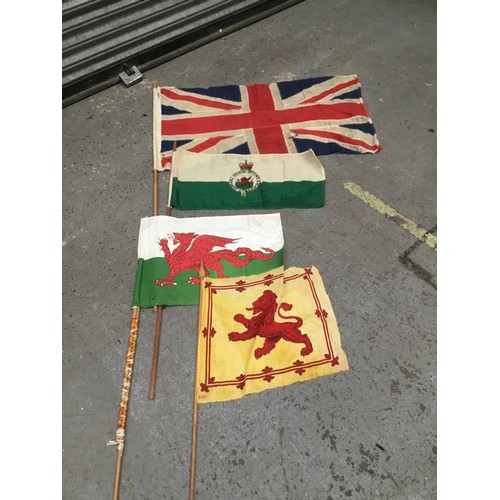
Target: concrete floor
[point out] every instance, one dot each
(367, 433)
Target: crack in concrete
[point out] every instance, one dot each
(281, 430)
(418, 270)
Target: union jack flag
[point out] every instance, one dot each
(326, 114)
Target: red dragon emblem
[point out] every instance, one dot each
(263, 324)
(245, 181)
(193, 248)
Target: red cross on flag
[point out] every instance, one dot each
(325, 114)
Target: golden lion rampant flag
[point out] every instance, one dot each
(265, 331)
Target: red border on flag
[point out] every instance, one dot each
(267, 373)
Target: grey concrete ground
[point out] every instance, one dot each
(367, 433)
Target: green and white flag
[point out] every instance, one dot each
(234, 181)
(170, 251)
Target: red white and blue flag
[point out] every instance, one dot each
(326, 114)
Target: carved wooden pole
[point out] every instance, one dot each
(127, 382)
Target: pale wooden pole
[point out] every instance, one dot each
(158, 309)
(156, 347)
(156, 352)
(155, 192)
(192, 481)
(127, 382)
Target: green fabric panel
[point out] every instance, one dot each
(148, 294)
(220, 195)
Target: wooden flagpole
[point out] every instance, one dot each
(192, 481)
(158, 309)
(127, 382)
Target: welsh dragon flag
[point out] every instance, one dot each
(265, 331)
(170, 250)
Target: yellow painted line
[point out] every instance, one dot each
(419, 232)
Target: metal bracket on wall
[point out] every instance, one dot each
(131, 75)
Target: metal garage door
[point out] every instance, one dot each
(102, 38)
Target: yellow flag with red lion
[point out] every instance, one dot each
(265, 331)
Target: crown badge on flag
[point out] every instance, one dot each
(245, 180)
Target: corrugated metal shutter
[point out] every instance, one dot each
(101, 36)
